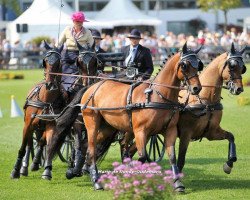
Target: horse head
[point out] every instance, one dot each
(187, 69)
(52, 64)
(232, 70)
(87, 62)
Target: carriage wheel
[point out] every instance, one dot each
(65, 153)
(155, 148)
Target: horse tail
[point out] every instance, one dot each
(70, 113)
(65, 121)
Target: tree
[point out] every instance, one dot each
(13, 4)
(223, 5)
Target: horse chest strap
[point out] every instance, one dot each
(166, 106)
(37, 104)
(130, 106)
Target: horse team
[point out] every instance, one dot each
(177, 102)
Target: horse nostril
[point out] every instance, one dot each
(240, 89)
(196, 89)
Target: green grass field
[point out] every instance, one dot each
(204, 177)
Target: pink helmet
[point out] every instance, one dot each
(79, 17)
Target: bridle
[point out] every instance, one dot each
(231, 62)
(86, 57)
(194, 61)
(51, 57)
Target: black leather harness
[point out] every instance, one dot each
(132, 106)
(47, 107)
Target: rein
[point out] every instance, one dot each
(118, 79)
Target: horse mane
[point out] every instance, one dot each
(165, 62)
(218, 61)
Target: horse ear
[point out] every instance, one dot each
(242, 50)
(46, 45)
(79, 46)
(232, 48)
(197, 50)
(60, 48)
(184, 48)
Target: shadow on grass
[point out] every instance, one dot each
(205, 161)
(202, 180)
(215, 183)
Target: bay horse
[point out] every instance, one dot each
(44, 98)
(44, 129)
(87, 65)
(146, 109)
(202, 116)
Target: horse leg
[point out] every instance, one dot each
(231, 153)
(183, 146)
(25, 163)
(92, 126)
(47, 174)
(171, 137)
(140, 140)
(221, 134)
(27, 132)
(85, 168)
(37, 158)
(124, 145)
(76, 171)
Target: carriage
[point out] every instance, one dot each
(159, 98)
(114, 70)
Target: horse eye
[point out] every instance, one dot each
(184, 66)
(232, 64)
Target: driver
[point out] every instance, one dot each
(68, 36)
(138, 56)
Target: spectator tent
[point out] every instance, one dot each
(124, 13)
(42, 18)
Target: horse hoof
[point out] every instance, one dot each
(227, 169)
(47, 175)
(34, 167)
(70, 174)
(179, 187)
(24, 171)
(98, 186)
(15, 174)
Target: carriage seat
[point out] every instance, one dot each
(111, 57)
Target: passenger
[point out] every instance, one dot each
(138, 56)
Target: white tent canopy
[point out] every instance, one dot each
(124, 13)
(42, 18)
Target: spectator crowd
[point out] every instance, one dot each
(160, 46)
